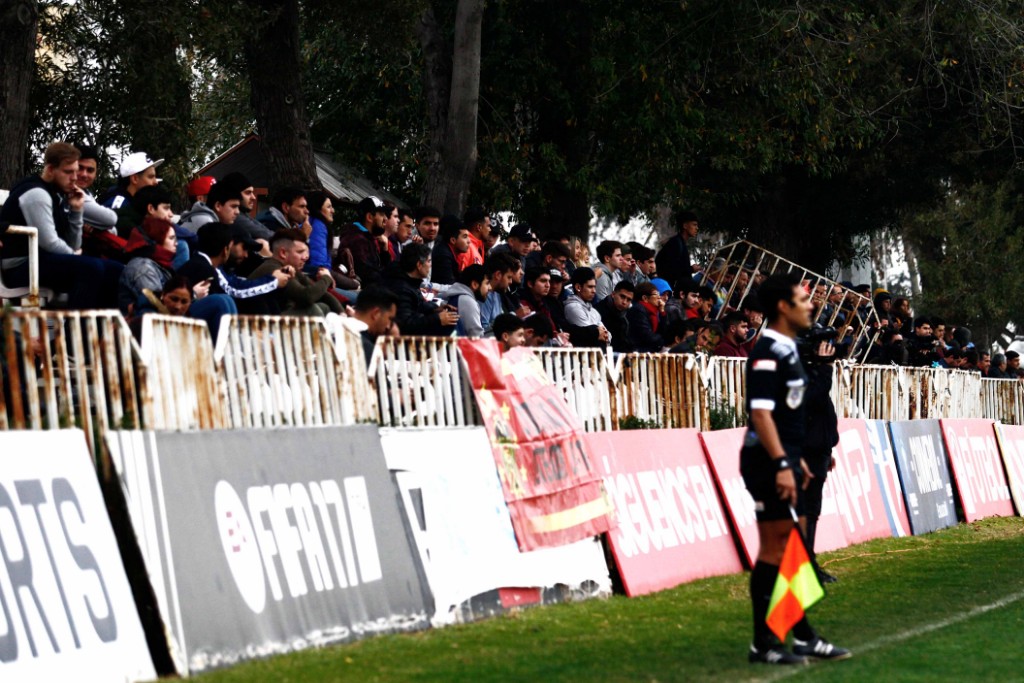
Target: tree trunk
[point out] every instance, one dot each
(19, 20)
(560, 203)
(437, 81)
(915, 278)
(275, 77)
(453, 95)
(159, 83)
(664, 226)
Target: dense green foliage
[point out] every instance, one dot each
(972, 262)
(794, 126)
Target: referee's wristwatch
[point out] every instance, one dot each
(784, 463)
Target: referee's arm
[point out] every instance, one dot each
(763, 423)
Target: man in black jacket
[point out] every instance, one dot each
(452, 241)
(647, 319)
(252, 296)
(613, 309)
(821, 435)
(415, 315)
(673, 260)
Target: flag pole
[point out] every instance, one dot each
(799, 531)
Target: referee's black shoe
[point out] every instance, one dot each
(819, 648)
(825, 577)
(776, 654)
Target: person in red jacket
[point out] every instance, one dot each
(478, 223)
(734, 334)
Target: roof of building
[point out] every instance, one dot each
(338, 180)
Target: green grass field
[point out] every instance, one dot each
(903, 605)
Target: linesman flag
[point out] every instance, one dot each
(796, 588)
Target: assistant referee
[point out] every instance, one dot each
(771, 463)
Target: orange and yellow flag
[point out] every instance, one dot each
(796, 588)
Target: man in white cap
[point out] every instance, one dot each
(137, 171)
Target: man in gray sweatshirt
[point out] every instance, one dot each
(467, 293)
(52, 203)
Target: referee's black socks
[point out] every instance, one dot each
(762, 583)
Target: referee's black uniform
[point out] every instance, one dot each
(776, 392)
(776, 381)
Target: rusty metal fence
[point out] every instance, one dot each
(85, 369)
(1003, 400)
(586, 378)
(420, 383)
(71, 369)
(736, 268)
(288, 371)
(871, 392)
(660, 389)
(187, 391)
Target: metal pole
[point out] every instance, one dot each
(33, 262)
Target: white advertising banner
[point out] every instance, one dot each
(461, 525)
(66, 609)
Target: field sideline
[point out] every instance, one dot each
(944, 606)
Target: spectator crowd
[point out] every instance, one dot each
(395, 271)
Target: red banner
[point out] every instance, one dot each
(977, 468)
(554, 493)
(671, 526)
(723, 452)
(1011, 445)
(859, 501)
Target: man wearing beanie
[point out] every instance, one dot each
(241, 184)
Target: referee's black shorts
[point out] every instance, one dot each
(759, 472)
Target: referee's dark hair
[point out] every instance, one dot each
(778, 287)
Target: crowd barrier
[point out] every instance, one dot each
(313, 536)
(658, 389)
(85, 369)
(582, 377)
(71, 369)
(743, 263)
(291, 371)
(420, 382)
(177, 353)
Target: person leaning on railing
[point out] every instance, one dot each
(53, 204)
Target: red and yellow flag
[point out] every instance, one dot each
(796, 588)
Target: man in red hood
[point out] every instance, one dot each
(478, 223)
